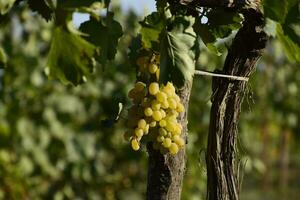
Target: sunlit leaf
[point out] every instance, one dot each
(151, 28)
(292, 49)
(5, 6)
(177, 56)
(70, 58)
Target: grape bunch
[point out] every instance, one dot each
(155, 109)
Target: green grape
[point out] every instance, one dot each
(142, 124)
(161, 97)
(162, 123)
(153, 68)
(139, 86)
(157, 115)
(162, 132)
(139, 132)
(135, 144)
(173, 148)
(167, 142)
(153, 88)
(148, 112)
(146, 102)
(160, 138)
(132, 93)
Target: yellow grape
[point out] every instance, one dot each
(139, 132)
(155, 105)
(177, 98)
(153, 68)
(146, 129)
(142, 124)
(163, 113)
(135, 144)
(167, 142)
(152, 124)
(180, 142)
(170, 126)
(153, 88)
(157, 74)
(157, 115)
(161, 97)
(172, 103)
(162, 123)
(165, 104)
(173, 148)
(148, 112)
(180, 108)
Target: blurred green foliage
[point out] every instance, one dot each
(62, 142)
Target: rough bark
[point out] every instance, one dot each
(222, 164)
(165, 172)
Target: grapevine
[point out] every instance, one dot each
(153, 115)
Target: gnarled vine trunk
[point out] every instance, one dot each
(222, 163)
(165, 172)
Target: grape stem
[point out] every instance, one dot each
(205, 73)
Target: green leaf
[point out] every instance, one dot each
(291, 25)
(41, 7)
(151, 29)
(3, 58)
(74, 4)
(70, 58)
(292, 50)
(5, 6)
(177, 55)
(104, 34)
(277, 10)
(220, 24)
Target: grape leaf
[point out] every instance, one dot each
(5, 6)
(104, 34)
(70, 58)
(278, 10)
(73, 4)
(151, 28)
(41, 7)
(292, 50)
(177, 55)
(291, 25)
(220, 24)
